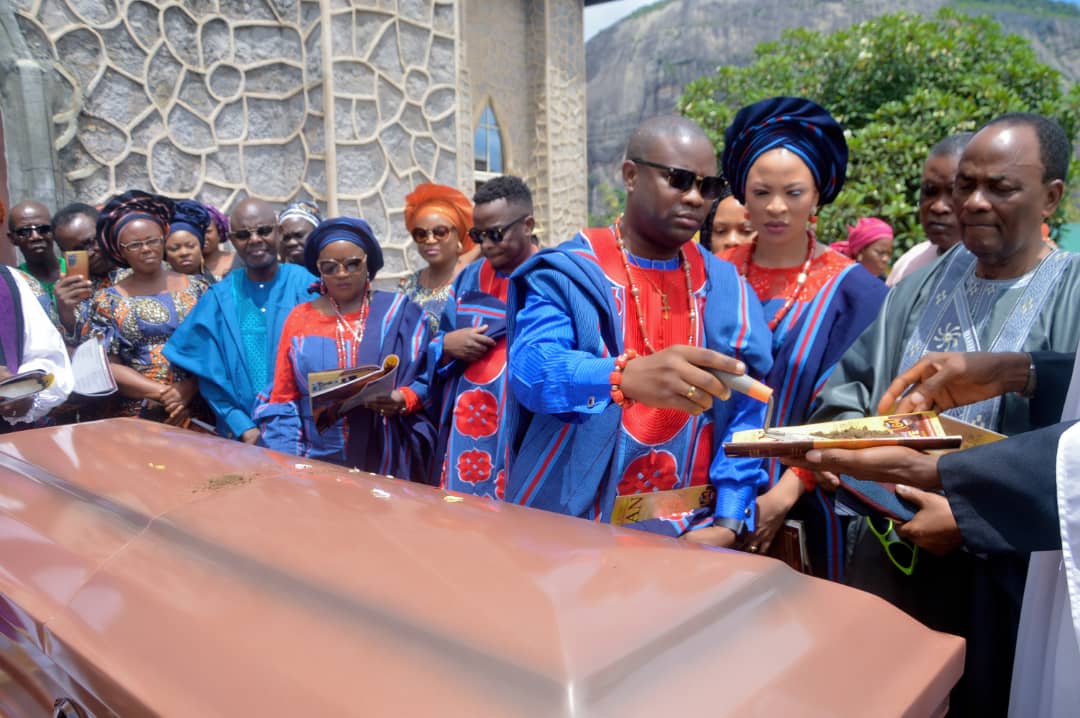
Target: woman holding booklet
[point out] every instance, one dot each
(348, 325)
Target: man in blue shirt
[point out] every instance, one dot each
(612, 335)
(230, 339)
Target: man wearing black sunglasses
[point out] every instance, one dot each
(613, 339)
(30, 229)
(230, 339)
(471, 347)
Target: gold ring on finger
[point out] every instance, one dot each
(691, 393)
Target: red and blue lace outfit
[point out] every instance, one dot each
(396, 445)
(837, 302)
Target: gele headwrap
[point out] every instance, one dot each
(348, 229)
(865, 232)
(220, 221)
(127, 207)
(190, 216)
(796, 124)
(446, 201)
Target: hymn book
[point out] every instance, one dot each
(24, 385)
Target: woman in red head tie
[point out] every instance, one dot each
(869, 243)
(438, 218)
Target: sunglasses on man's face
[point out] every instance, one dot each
(902, 554)
(493, 234)
(420, 235)
(42, 230)
(330, 267)
(710, 187)
(243, 235)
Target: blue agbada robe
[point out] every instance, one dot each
(570, 462)
(443, 384)
(209, 344)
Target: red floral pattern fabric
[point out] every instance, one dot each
(655, 471)
(772, 282)
(476, 413)
(474, 466)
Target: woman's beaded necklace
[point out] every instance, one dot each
(800, 280)
(635, 292)
(345, 330)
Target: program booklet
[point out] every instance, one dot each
(922, 430)
(90, 367)
(336, 392)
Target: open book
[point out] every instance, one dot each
(23, 385)
(921, 430)
(336, 392)
(90, 366)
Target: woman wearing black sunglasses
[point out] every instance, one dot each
(348, 325)
(785, 157)
(438, 219)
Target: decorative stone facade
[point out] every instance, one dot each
(221, 98)
(526, 60)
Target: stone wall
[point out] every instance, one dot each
(216, 99)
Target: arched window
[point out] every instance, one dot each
(487, 145)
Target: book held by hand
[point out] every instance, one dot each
(21, 386)
(90, 367)
(921, 430)
(336, 392)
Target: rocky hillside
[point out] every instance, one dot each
(638, 67)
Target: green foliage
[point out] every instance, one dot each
(612, 201)
(898, 84)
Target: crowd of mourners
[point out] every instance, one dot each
(568, 377)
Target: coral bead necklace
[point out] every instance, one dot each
(800, 280)
(635, 292)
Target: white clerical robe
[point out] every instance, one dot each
(1046, 671)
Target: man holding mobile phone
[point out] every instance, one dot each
(86, 269)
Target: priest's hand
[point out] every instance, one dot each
(674, 378)
(16, 407)
(468, 344)
(933, 527)
(943, 380)
(251, 436)
(712, 536)
(884, 464)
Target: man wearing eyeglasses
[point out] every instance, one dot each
(30, 229)
(230, 339)
(612, 338)
(74, 230)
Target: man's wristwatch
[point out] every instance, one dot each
(1029, 387)
(736, 525)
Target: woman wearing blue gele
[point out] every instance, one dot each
(785, 157)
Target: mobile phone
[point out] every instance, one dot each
(78, 263)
